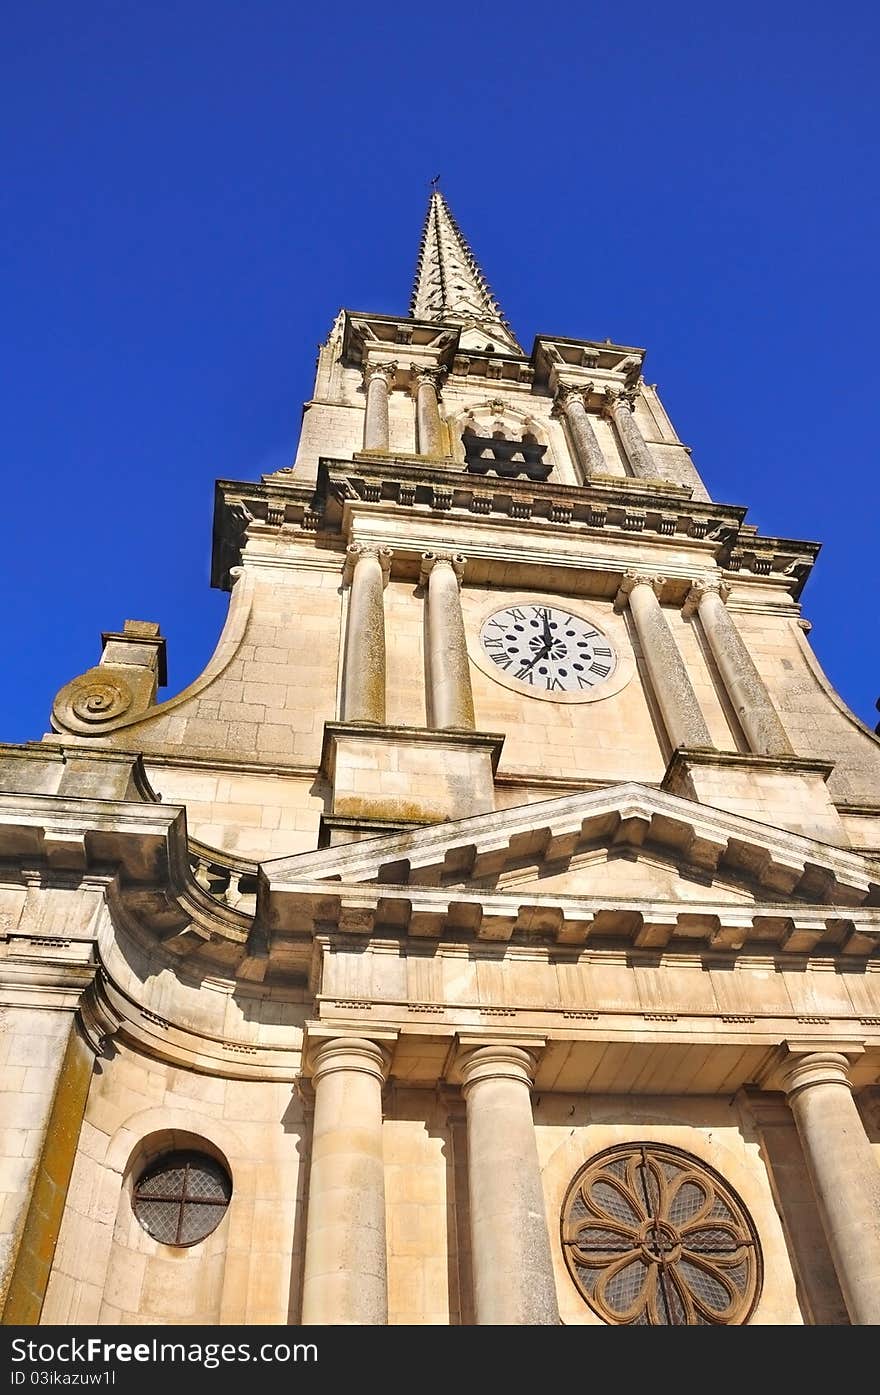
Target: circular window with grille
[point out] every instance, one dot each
(181, 1197)
(653, 1237)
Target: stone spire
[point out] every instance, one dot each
(451, 288)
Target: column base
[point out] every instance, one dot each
(784, 791)
(407, 775)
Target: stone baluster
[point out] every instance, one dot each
(426, 388)
(682, 717)
(844, 1172)
(345, 1277)
(363, 675)
(745, 686)
(619, 408)
(378, 379)
(514, 1283)
(571, 404)
(450, 699)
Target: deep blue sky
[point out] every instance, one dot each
(192, 190)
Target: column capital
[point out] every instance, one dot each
(355, 551)
(571, 392)
(630, 580)
(614, 398)
(386, 369)
(704, 586)
(431, 373)
(799, 1064)
(456, 560)
(497, 1061)
(348, 1054)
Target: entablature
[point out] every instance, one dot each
(558, 360)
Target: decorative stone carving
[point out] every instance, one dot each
(456, 560)
(354, 551)
(432, 374)
(123, 684)
(94, 698)
(386, 371)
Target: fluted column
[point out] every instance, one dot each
(844, 1171)
(514, 1283)
(450, 699)
(426, 386)
(363, 674)
(378, 378)
(745, 686)
(682, 717)
(345, 1280)
(619, 408)
(571, 404)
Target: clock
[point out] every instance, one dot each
(545, 650)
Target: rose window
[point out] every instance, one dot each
(653, 1237)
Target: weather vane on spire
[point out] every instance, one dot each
(435, 181)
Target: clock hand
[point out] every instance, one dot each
(548, 638)
(542, 654)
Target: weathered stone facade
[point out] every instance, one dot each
(404, 940)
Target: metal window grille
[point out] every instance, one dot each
(182, 1197)
(654, 1237)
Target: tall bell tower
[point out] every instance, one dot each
(492, 931)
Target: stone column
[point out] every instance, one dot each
(571, 404)
(844, 1172)
(363, 674)
(426, 388)
(619, 408)
(345, 1280)
(682, 717)
(378, 378)
(745, 686)
(514, 1283)
(447, 668)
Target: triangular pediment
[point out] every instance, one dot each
(611, 871)
(586, 843)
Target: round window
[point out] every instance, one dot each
(182, 1197)
(653, 1237)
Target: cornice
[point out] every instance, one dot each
(607, 506)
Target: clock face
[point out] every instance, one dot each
(547, 650)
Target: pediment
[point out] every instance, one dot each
(671, 840)
(627, 872)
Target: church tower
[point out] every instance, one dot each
(489, 935)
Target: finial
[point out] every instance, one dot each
(435, 182)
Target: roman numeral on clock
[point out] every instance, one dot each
(602, 670)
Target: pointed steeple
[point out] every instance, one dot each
(451, 288)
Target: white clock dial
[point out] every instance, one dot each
(547, 650)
